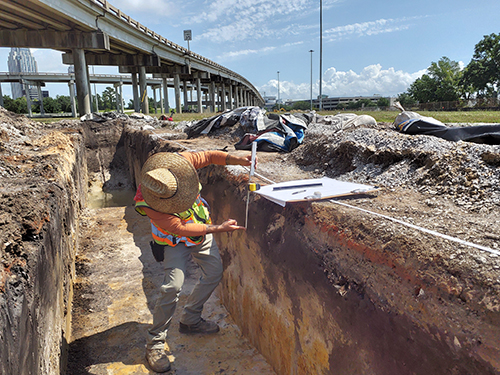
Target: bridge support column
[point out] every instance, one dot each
(223, 97)
(231, 88)
(165, 95)
(236, 97)
(135, 91)
(94, 104)
(119, 97)
(177, 89)
(211, 89)
(185, 94)
(155, 102)
(199, 95)
(144, 90)
(28, 98)
(82, 82)
(40, 97)
(1, 96)
(162, 110)
(122, 104)
(71, 85)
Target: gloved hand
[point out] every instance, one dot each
(158, 251)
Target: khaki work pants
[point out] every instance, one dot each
(207, 256)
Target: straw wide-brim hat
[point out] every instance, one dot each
(169, 183)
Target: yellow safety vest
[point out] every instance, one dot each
(199, 213)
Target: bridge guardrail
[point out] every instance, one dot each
(105, 5)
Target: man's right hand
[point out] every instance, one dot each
(229, 225)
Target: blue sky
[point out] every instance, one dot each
(369, 47)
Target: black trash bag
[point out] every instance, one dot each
(412, 123)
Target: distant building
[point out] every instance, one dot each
(22, 61)
(330, 104)
(269, 102)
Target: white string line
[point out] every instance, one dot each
(422, 229)
(258, 175)
(445, 236)
(170, 140)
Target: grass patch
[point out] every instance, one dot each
(471, 117)
(446, 117)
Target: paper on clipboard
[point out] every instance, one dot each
(312, 189)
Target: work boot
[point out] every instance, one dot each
(203, 326)
(158, 360)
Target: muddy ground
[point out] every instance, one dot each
(449, 187)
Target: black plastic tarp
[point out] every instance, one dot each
(412, 123)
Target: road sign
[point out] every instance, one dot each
(187, 35)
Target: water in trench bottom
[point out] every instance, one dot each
(97, 198)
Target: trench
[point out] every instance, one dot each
(312, 288)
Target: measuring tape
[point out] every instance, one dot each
(251, 186)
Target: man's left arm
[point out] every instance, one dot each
(203, 158)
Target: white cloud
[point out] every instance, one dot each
(368, 28)
(371, 80)
(49, 61)
(239, 20)
(160, 9)
(249, 10)
(247, 52)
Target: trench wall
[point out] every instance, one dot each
(39, 235)
(324, 289)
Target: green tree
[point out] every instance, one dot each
(18, 105)
(64, 103)
(51, 105)
(406, 100)
(108, 99)
(442, 83)
(423, 89)
(7, 102)
(362, 103)
(383, 102)
(483, 72)
(302, 105)
(447, 74)
(353, 105)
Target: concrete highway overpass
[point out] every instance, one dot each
(93, 32)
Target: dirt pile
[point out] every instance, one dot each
(466, 173)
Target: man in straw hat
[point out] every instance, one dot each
(169, 194)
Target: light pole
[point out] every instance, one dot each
(278, 101)
(311, 79)
(320, 53)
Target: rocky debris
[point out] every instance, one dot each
(466, 173)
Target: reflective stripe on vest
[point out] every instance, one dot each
(199, 214)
